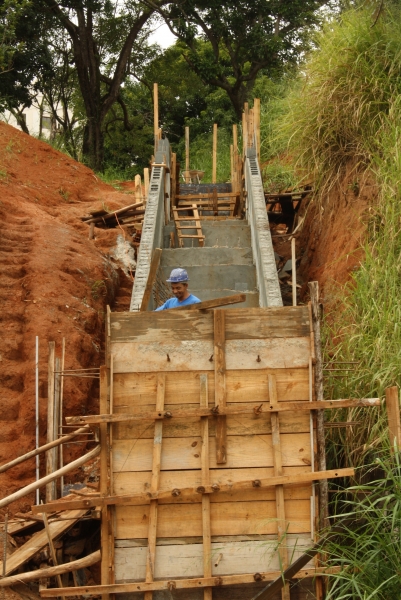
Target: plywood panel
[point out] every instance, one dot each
(248, 323)
(131, 483)
(186, 560)
(236, 425)
(227, 518)
(272, 353)
(183, 453)
(133, 390)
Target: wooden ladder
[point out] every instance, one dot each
(194, 217)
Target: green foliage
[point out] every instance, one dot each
(201, 155)
(344, 93)
(369, 549)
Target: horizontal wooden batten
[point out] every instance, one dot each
(257, 410)
(226, 518)
(166, 355)
(134, 390)
(259, 488)
(179, 584)
(248, 323)
(184, 453)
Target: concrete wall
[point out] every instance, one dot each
(262, 247)
(152, 230)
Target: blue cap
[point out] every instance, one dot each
(178, 276)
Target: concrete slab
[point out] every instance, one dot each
(229, 234)
(240, 278)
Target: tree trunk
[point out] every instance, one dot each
(93, 145)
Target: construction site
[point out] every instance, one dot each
(178, 454)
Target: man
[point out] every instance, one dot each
(179, 286)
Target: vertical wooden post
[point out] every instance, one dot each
(156, 114)
(138, 188)
(256, 121)
(393, 417)
(250, 128)
(232, 166)
(173, 180)
(104, 486)
(320, 434)
(235, 139)
(220, 383)
(146, 184)
(50, 466)
(214, 168)
(187, 176)
(56, 417)
(245, 130)
(207, 539)
(294, 272)
(154, 483)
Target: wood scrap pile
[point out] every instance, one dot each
(132, 214)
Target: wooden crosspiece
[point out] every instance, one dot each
(188, 219)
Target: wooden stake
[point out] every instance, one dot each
(56, 418)
(187, 176)
(51, 546)
(250, 129)
(220, 384)
(244, 130)
(214, 167)
(256, 121)
(320, 433)
(235, 138)
(50, 466)
(207, 538)
(138, 189)
(156, 114)
(146, 183)
(232, 164)
(294, 273)
(104, 485)
(393, 417)
(61, 453)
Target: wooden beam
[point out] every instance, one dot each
(194, 492)
(52, 549)
(224, 301)
(154, 265)
(278, 472)
(104, 485)
(220, 580)
(220, 397)
(191, 197)
(262, 408)
(50, 464)
(256, 118)
(207, 538)
(155, 115)
(81, 563)
(214, 157)
(187, 175)
(393, 417)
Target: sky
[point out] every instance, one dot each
(162, 36)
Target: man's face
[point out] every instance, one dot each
(179, 290)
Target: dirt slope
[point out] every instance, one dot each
(54, 282)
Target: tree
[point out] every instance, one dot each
(103, 36)
(243, 38)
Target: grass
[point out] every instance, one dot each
(201, 155)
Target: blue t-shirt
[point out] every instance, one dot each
(173, 302)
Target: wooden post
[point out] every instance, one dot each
(235, 139)
(250, 128)
(138, 188)
(187, 177)
(393, 417)
(52, 549)
(244, 130)
(256, 122)
(56, 417)
(146, 184)
(220, 384)
(207, 539)
(173, 180)
(156, 114)
(294, 273)
(50, 466)
(214, 168)
(232, 164)
(320, 434)
(104, 485)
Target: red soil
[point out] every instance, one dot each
(50, 286)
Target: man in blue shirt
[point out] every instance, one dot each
(179, 286)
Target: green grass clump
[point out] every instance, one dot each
(344, 93)
(370, 548)
(201, 155)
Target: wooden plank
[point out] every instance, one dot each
(257, 488)
(183, 453)
(393, 417)
(39, 540)
(220, 397)
(187, 175)
(206, 196)
(214, 154)
(241, 323)
(205, 477)
(134, 390)
(154, 265)
(155, 115)
(227, 518)
(50, 457)
(256, 117)
(225, 300)
(245, 424)
(278, 471)
(179, 584)
(154, 484)
(189, 356)
(104, 484)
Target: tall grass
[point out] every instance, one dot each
(344, 93)
(201, 155)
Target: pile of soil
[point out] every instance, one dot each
(54, 283)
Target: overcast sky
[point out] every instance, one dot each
(162, 36)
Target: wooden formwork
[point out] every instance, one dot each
(200, 447)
